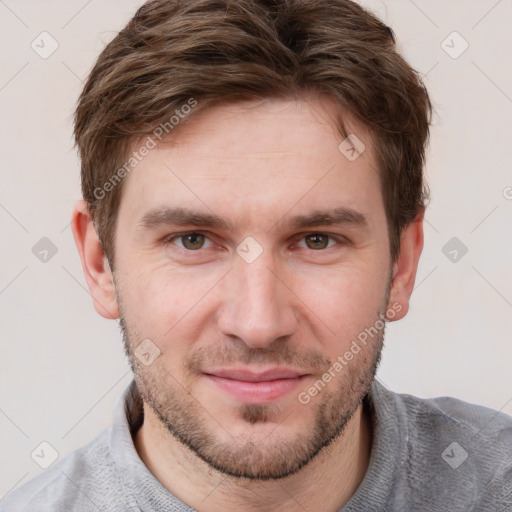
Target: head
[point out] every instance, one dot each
(252, 174)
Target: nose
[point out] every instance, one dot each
(259, 306)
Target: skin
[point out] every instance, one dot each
(299, 304)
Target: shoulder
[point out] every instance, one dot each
(464, 450)
(443, 412)
(451, 416)
(82, 481)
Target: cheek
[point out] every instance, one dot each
(346, 300)
(163, 302)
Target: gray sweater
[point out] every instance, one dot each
(428, 455)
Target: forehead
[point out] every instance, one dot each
(272, 128)
(261, 157)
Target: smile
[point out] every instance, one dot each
(256, 388)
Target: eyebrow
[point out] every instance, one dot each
(182, 217)
(342, 216)
(186, 217)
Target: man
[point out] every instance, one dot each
(252, 215)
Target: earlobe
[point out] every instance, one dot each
(98, 274)
(405, 267)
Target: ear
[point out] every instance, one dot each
(405, 267)
(98, 274)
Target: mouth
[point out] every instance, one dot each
(253, 387)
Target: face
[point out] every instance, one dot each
(252, 253)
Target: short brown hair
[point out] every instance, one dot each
(217, 51)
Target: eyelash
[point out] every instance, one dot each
(169, 240)
(339, 239)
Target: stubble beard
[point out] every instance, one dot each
(248, 456)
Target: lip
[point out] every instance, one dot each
(256, 387)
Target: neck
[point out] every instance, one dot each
(326, 483)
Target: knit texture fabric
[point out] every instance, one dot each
(428, 455)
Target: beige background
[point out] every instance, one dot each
(62, 366)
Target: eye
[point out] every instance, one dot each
(318, 241)
(190, 241)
